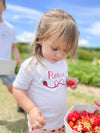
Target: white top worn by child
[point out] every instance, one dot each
(7, 46)
(7, 37)
(40, 86)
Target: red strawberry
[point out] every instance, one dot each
(85, 120)
(87, 127)
(90, 114)
(70, 82)
(99, 116)
(97, 121)
(77, 122)
(84, 113)
(75, 129)
(71, 124)
(96, 129)
(76, 114)
(78, 127)
(72, 117)
(92, 118)
(97, 112)
(45, 83)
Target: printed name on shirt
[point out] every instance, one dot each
(58, 82)
(51, 75)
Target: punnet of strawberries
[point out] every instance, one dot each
(84, 122)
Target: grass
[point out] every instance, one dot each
(13, 122)
(10, 120)
(76, 97)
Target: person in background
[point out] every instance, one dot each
(40, 86)
(8, 46)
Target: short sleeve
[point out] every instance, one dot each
(23, 79)
(14, 39)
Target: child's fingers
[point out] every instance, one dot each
(97, 103)
(40, 122)
(76, 80)
(73, 87)
(37, 125)
(43, 122)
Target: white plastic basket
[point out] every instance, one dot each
(7, 67)
(79, 108)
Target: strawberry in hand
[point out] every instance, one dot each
(70, 82)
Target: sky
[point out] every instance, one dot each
(25, 15)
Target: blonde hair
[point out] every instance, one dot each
(61, 24)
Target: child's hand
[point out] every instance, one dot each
(18, 59)
(36, 118)
(97, 103)
(72, 82)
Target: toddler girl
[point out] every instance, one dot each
(40, 86)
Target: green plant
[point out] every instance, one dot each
(85, 72)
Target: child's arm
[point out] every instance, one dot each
(72, 83)
(15, 51)
(36, 117)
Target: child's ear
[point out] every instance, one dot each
(4, 7)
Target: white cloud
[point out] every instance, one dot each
(16, 17)
(83, 43)
(94, 29)
(23, 12)
(26, 37)
(23, 9)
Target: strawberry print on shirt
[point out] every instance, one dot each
(58, 79)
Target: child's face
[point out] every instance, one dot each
(53, 52)
(2, 8)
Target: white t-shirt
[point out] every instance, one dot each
(46, 87)
(7, 38)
